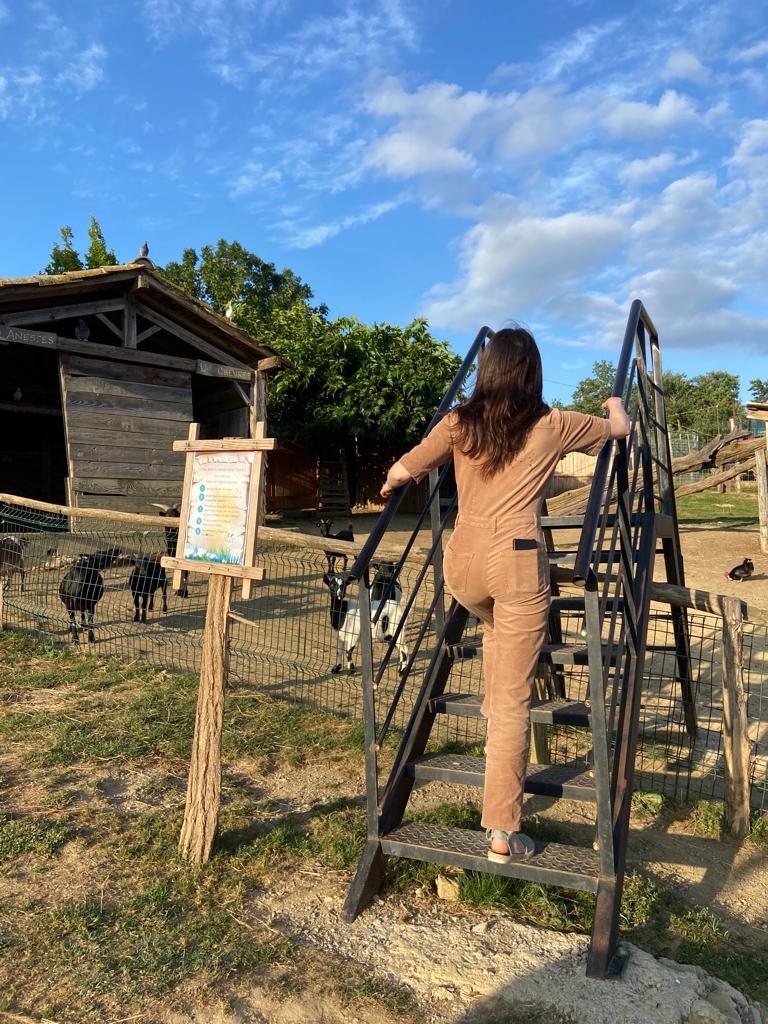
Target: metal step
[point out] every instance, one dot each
(551, 654)
(548, 712)
(559, 780)
(552, 864)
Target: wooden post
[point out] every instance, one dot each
(761, 472)
(735, 737)
(201, 814)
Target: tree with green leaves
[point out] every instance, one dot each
(237, 283)
(758, 389)
(64, 257)
(356, 385)
(592, 391)
(98, 255)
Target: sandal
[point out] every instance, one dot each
(519, 845)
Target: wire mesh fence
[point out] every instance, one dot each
(281, 643)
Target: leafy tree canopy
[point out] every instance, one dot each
(375, 383)
(592, 391)
(65, 257)
(98, 255)
(237, 283)
(758, 389)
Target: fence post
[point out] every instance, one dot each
(735, 737)
(761, 473)
(201, 815)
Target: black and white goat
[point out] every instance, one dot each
(172, 542)
(386, 615)
(324, 525)
(147, 577)
(83, 587)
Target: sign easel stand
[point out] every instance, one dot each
(201, 813)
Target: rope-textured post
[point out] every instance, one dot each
(761, 473)
(201, 814)
(735, 736)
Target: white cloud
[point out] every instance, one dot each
(513, 264)
(632, 120)
(307, 237)
(755, 52)
(86, 73)
(687, 209)
(647, 168)
(682, 64)
(574, 51)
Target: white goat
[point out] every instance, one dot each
(386, 595)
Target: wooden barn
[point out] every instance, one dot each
(101, 370)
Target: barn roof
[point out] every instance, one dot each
(146, 287)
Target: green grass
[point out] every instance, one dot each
(736, 511)
(707, 818)
(648, 806)
(19, 836)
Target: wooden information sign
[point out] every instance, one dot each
(223, 480)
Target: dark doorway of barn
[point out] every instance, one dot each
(33, 460)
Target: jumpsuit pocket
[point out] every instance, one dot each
(456, 568)
(525, 570)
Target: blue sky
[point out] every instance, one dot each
(467, 162)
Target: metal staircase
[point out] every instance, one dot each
(630, 517)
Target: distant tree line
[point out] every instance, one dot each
(703, 404)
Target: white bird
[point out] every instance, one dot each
(17, 395)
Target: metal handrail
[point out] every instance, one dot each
(593, 512)
(368, 550)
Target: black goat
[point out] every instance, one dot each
(12, 558)
(83, 587)
(172, 542)
(324, 525)
(147, 577)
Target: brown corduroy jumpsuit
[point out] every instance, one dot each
(496, 566)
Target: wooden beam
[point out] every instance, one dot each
(238, 572)
(206, 369)
(130, 518)
(735, 735)
(103, 351)
(126, 487)
(271, 363)
(190, 338)
(41, 339)
(761, 474)
(30, 410)
(715, 478)
(88, 367)
(129, 324)
(103, 318)
(50, 313)
(228, 444)
(147, 333)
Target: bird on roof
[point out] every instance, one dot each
(17, 395)
(144, 251)
(82, 330)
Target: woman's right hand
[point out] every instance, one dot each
(617, 417)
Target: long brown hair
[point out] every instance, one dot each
(494, 423)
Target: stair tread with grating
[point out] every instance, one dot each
(551, 654)
(558, 780)
(552, 864)
(548, 712)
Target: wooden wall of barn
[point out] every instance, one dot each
(120, 422)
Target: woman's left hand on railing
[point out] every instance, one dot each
(396, 477)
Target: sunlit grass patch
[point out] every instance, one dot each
(20, 836)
